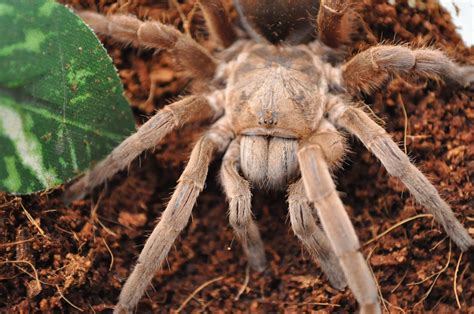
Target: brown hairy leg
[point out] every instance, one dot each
(218, 22)
(175, 217)
(312, 236)
(368, 70)
(397, 163)
(321, 191)
(303, 219)
(189, 109)
(191, 56)
(338, 22)
(237, 190)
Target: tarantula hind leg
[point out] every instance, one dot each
(217, 20)
(321, 191)
(127, 29)
(338, 22)
(376, 139)
(175, 216)
(312, 236)
(368, 70)
(188, 109)
(237, 190)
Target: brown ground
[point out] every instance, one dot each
(81, 254)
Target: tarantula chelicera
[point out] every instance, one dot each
(279, 97)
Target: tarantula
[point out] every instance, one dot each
(279, 98)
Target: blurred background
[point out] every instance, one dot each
(462, 12)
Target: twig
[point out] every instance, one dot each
(95, 216)
(437, 276)
(400, 282)
(405, 129)
(379, 290)
(38, 282)
(69, 302)
(189, 18)
(111, 255)
(182, 17)
(311, 303)
(10, 202)
(123, 5)
(419, 136)
(396, 226)
(455, 281)
(205, 306)
(377, 119)
(31, 275)
(437, 244)
(192, 295)
(3, 245)
(394, 306)
(432, 310)
(32, 220)
(288, 305)
(229, 247)
(416, 283)
(93, 311)
(246, 283)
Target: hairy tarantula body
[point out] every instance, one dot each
(278, 111)
(275, 96)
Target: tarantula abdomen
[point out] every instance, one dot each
(279, 20)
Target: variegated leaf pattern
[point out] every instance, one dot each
(62, 107)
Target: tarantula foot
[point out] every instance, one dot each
(464, 242)
(257, 259)
(467, 73)
(337, 279)
(73, 193)
(333, 271)
(370, 309)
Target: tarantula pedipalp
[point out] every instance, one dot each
(278, 110)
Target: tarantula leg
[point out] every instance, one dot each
(237, 190)
(175, 216)
(218, 22)
(376, 139)
(321, 191)
(312, 236)
(368, 70)
(148, 135)
(127, 29)
(338, 21)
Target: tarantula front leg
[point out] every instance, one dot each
(237, 190)
(338, 21)
(376, 139)
(148, 135)
(312, 236)
(303, 220)
(321, 191)
(130, 30)
(373, 67)
(175, 216)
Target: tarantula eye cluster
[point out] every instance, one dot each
(278, 114)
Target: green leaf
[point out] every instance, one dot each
(61, 102)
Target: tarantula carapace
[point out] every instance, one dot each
(278, 98)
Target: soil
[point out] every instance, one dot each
(58, 258)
